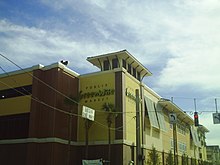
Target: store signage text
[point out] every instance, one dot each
(96, 93)
(130, 95)
(99, 93)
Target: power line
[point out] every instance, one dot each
(60, 110)
(36, 99)
(74, 101)
(14, 80)
(52, 107)
(49, 86)
(68, 113)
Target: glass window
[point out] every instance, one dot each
(16, 92)
(106, 65)
(114, 63)
(124, 64)
(160, 117)
(151, 112)
(134, 72)
(129, 68)
(138, 76)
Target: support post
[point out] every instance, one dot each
(138, 142)
(175, 144)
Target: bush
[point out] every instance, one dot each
(153, 157)
(169, 159)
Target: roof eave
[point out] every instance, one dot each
(173, 108)
(95, 61)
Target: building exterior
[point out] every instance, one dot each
(41, 117)
(213, 154)
(34, 120)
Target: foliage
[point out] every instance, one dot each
(110, 108)
(153, 157)
(193, 161)
(184, 159)
(88, 123)
(71, 100)
(169, 159)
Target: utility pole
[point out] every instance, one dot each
(142, 113)
(216, 105)
(175, 150)
(138, 142)
(175, 144)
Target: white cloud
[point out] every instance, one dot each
(32, 45)
(100, 3)
(195, 51)
(212, 138)
(180, 37)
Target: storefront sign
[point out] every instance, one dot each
(99, 93)
(88, 113)
(96, 93)
(130, 95)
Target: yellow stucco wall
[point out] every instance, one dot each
(167, 135)
(15, 80)
(158, 138)
(153, 136)
(90, 85)
(131, 85)
(15, 105)
(19, 104)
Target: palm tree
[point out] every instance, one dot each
(111, 115)
(88, 124)
(71, 102)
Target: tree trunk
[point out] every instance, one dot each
(87, 137)
(69, 138)
(109, 142)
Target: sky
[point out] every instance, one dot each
(177, 40)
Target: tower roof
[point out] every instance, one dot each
(125, 55)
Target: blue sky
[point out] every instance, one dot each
(177, 40)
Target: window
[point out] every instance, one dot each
(124, 64)
(15, 92)
(134, 72)
(200, 155)
(171, 144)
(195, 136)
(181, 129)
(106, 65)
(114, 63)
(129, 68)
(160, 117)
(182, 147)
(138, 76)
(149, 105)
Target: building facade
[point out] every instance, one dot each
(41, 117)
(213, 154)
(34, 120)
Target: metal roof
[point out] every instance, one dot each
(203, 128)
(173, 108)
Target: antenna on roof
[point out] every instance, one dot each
(64, 62)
